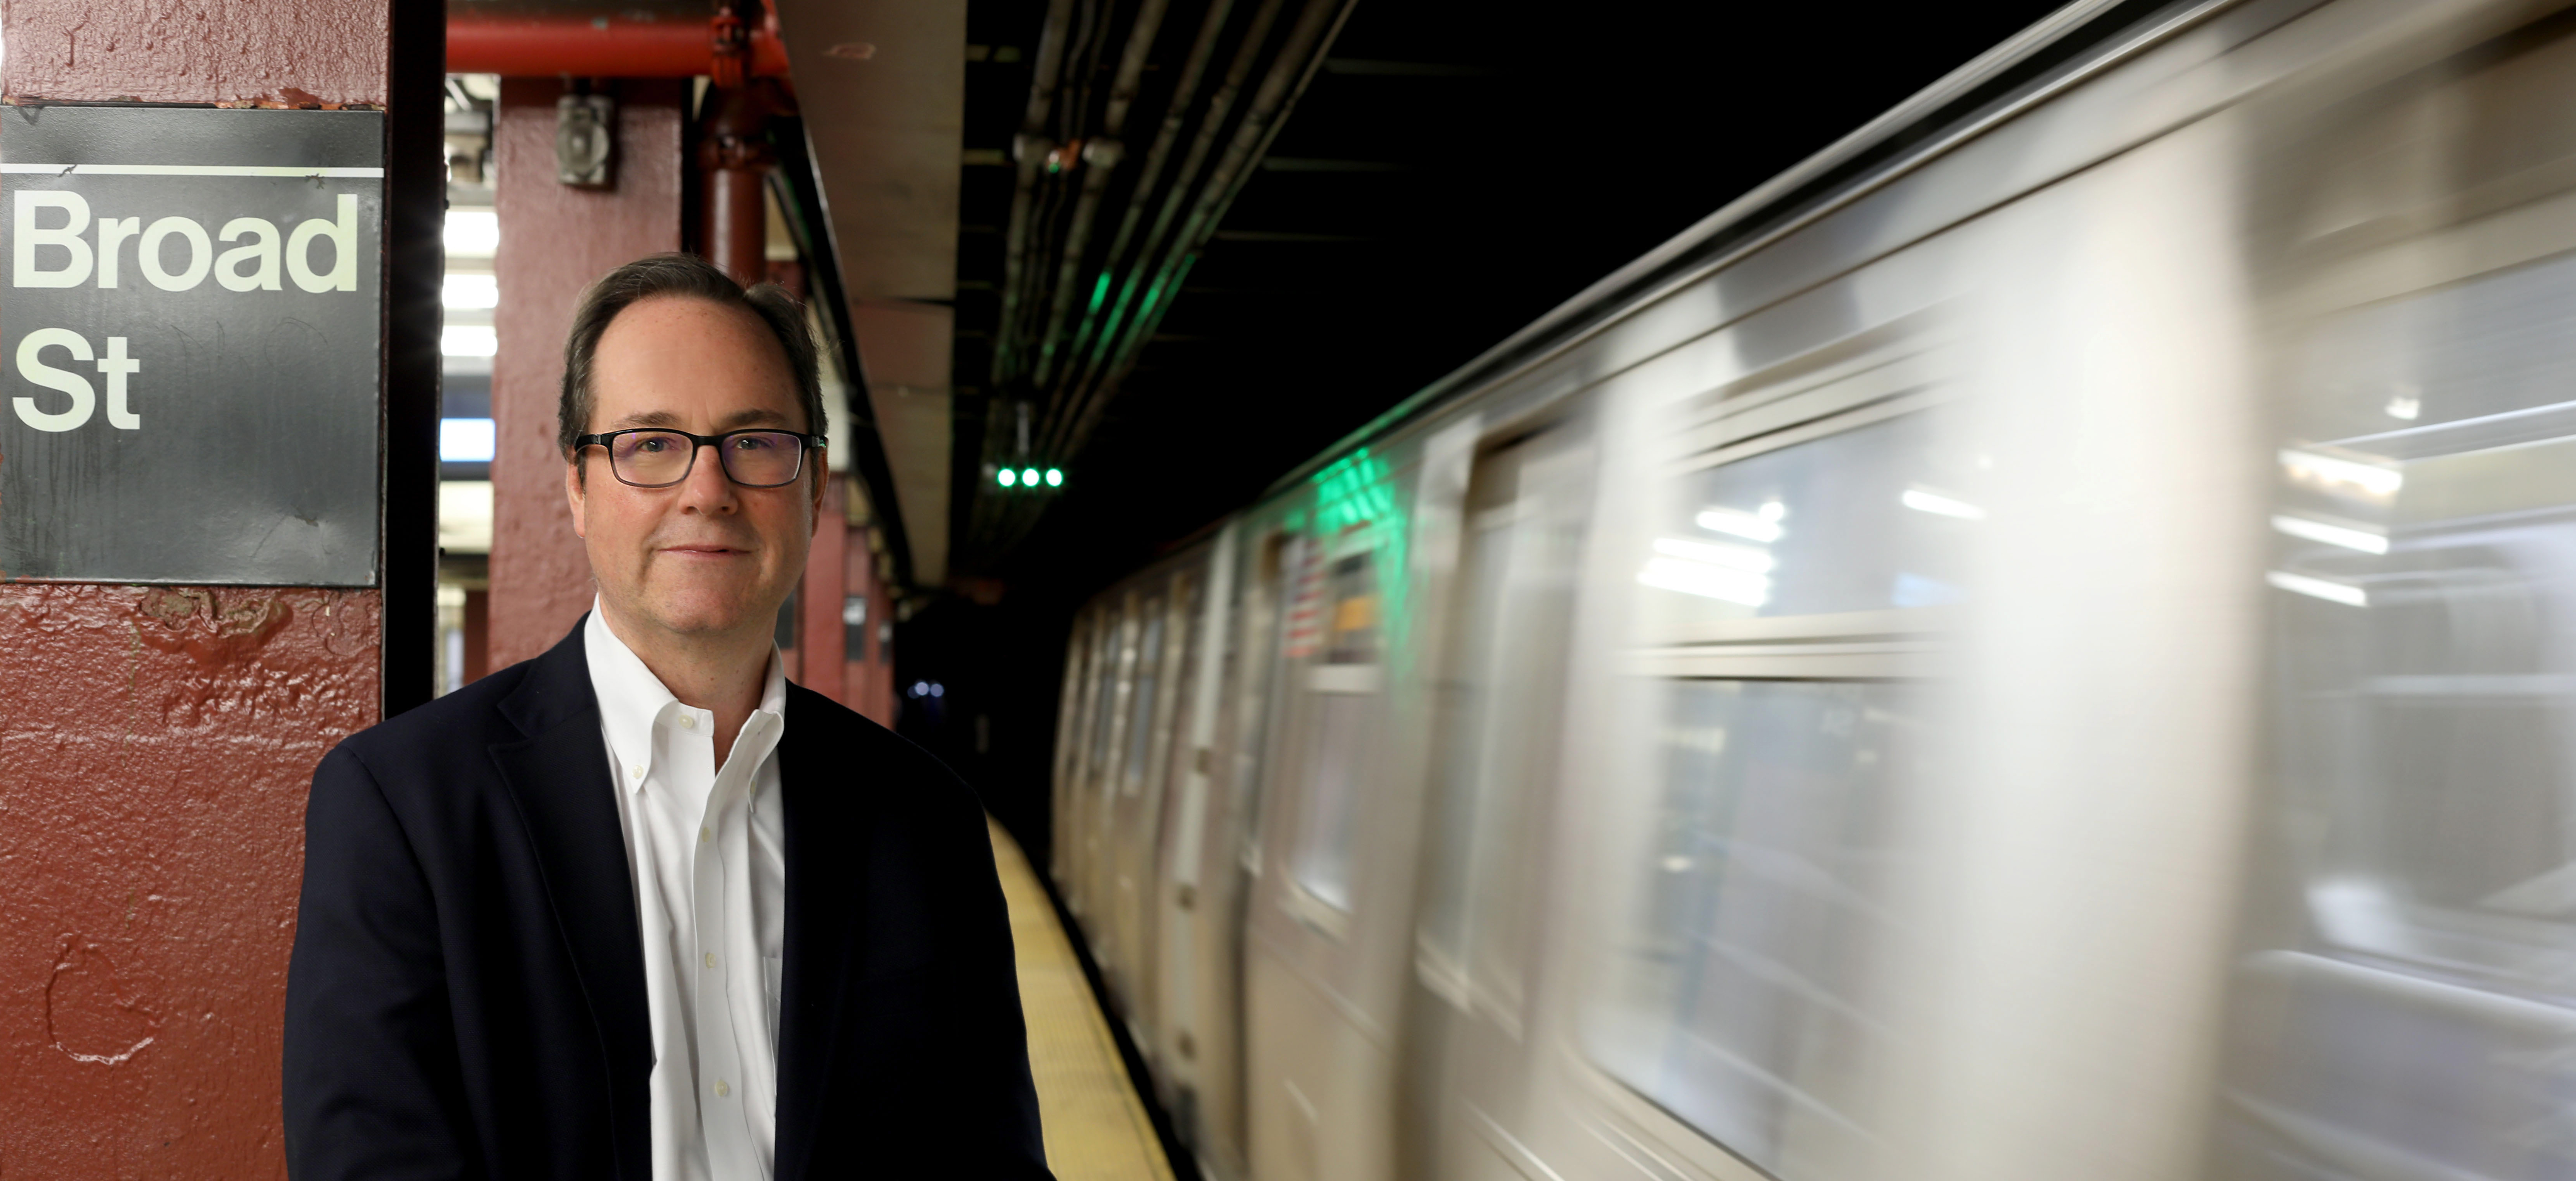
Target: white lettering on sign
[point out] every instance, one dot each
(26, 237)
(201, 253)
(57, 256)
(116, 365)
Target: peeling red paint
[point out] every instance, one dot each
(155, 748)
(236, 52)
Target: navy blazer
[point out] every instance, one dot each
(467, 994)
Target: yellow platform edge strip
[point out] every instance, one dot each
(1096, 1126)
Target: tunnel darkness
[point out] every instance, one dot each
(1452, 173)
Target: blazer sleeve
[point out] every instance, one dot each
(372, 1086)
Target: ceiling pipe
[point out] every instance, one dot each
(1029, 150)
(1284, 83)
(1185, 98)
(1081, 384)
(599, 47)
(1101, 155)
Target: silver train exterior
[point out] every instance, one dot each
(2041, 644)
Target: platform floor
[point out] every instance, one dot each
(1096, 1126)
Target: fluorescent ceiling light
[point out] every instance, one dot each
(1935, 503)
(472, 233)
(2318, 588)
(1750, 526)
(2368, 543)
(1718, 553)
(2370, 478)
(471, 291)
(465, 440)
(468, 340)
(1706, 581)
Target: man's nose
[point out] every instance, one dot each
(708, 489)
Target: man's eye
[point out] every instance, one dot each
(651, 444)
(753, 443)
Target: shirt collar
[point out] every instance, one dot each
(632, 700)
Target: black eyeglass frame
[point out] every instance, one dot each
(697, 443)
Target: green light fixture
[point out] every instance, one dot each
(1029, 476)
(1008, 477)
(1055, 477)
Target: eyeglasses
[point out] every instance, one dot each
(657, 457)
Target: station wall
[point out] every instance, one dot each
(156, 742)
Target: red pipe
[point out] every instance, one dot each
(546, 46)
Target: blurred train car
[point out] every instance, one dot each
(2039, 644)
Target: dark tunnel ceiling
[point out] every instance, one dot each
(1452, 172)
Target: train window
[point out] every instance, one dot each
(1865, 519)
(1149, 667)
(1734, 997)
(1351, 627)
(1342, 711)
(2414, 997)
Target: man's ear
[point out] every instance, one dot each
(575, 495)
(822, 481)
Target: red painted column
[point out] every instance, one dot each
(556, 240)
(156, 743)
(868, 677)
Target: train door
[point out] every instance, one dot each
(1100, 624)
(1161, 680)
(1108, 660)
(1331, 915)
(1212, 885)
(1129, 720)
(1500, 700)
(1171, 1042)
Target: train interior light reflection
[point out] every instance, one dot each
(1706, 581)
(2328, 470)
(1734, 557)
(1761, 526)
(1939, 505)
(2347, 537)
(2318, 588)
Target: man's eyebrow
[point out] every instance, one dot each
(648, 418)
(755, 416)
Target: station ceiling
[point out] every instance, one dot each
(1447, 173)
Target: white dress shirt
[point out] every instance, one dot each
(706, 849)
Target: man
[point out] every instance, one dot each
(638, 908)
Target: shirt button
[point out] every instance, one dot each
(705, 835)
(637, 770)
(722, 1089)
(688, 721)
(711, 959)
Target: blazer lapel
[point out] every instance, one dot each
(559, 777)
(824, 899)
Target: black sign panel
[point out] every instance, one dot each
(189, 333)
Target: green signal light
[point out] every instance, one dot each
(1008, 477)
(1055, 477)
(1029, 476)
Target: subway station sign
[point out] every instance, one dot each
(190, 329)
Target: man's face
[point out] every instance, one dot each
(705, 555)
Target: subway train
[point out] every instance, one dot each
(2040, 643)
